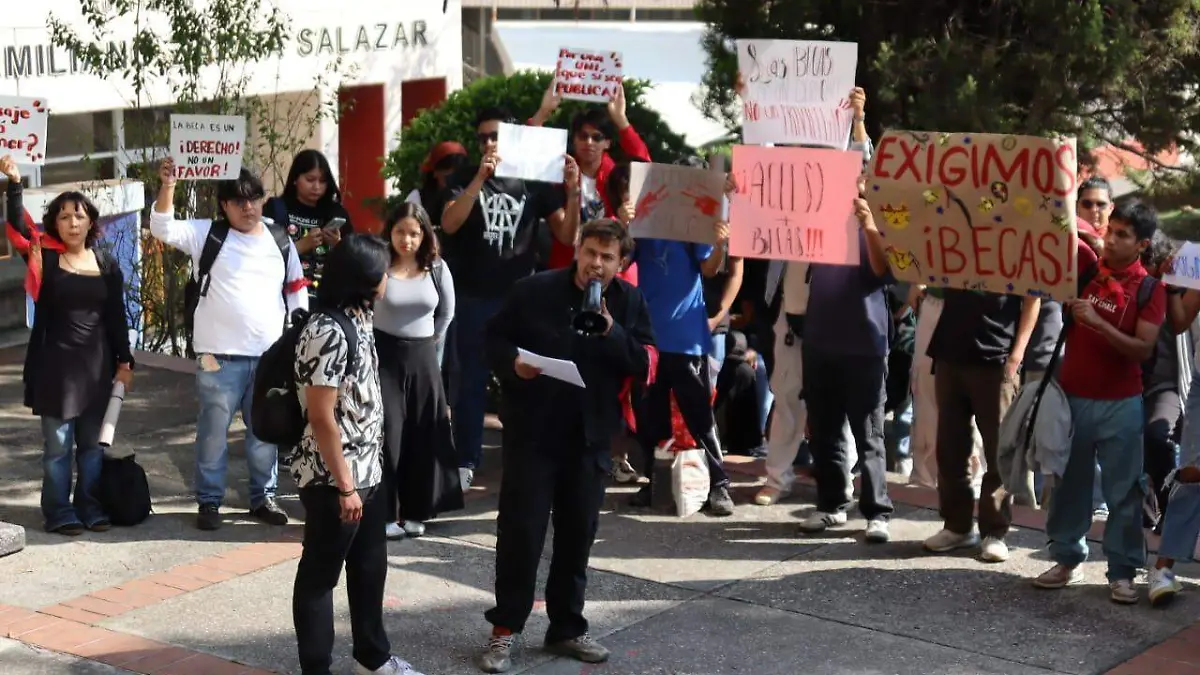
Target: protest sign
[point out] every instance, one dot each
(531, 153)
(587, 75)
(23, 129)
(1185, 272)
(207, 147)
(986, 212)
(797, 92)
(679, 203)
(793, 204)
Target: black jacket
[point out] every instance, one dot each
(536, 316)
(975, 328)
(116, 324)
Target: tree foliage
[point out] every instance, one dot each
(1101, 70)
(520, 93)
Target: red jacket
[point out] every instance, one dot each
(561, 255)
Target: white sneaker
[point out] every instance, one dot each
(994, 550)
(946, 540)
(414, 528)
(820, 521)
(1163, 586)
(394, 531)
(877, 532)
(1123, 592)
(394, 666)
(768, 496)
(466, 476)
(623, 472)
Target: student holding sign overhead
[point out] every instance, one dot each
(490, 227)
(591, 138)
(311, 210)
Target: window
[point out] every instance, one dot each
(147, 127)
(80, 134)
(79, 171)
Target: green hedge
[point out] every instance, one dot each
(521, 93)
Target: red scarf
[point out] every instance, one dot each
(1112, 282)
(31, 249)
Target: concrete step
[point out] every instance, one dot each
(12, 538)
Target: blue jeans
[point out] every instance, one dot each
(762, 385)
(222, 393)
(471, 316)
(718, 347)
(82, 436)
(1181, 526)
(897, 434)
(1111, 432)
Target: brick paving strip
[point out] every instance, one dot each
(70, 627)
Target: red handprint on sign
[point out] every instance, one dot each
(649, 201)
(705, 204)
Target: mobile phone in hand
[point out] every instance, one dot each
(334, 225)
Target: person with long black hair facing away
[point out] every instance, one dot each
(78, 347)
(310, 203)
(410, 323)
(339, 468)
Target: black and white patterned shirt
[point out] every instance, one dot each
(321, 357)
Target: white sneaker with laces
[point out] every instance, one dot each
(994, 550)
(623, 472)
(466, 476)
(947, 540)
(1123, 592)
(394, 531)
(1163, 586)
(497, 658)
(394, 666)
(877, 531)
(820, 521)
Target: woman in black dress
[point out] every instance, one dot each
(421, 465)
(311, 200)
(78, 347)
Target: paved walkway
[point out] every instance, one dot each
(697, 596)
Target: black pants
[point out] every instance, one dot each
(687, 376)
(536, 484)
(328, 543)
(1164, 412)
(838, 389)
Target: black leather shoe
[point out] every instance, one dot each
(209, 517)
(270, 513)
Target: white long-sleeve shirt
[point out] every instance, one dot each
(243, 312)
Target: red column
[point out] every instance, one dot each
(361, 147)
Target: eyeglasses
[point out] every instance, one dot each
(489, 137)
(595, 138)
(1090, 204)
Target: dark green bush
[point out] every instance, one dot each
(521, 93)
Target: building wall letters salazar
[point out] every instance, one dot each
(986, 212)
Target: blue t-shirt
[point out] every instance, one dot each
(670, 280)
(847, 308)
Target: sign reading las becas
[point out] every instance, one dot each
(985, 212)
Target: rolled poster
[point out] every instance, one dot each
(108, 428)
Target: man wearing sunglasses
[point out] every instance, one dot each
(591, 138)
(491, 225)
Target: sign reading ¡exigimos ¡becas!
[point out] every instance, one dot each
(985, 212)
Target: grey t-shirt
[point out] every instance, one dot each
(409, 308)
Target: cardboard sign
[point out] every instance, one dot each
(796, 92)
(531, 153)
(1186, 271)
(679, 203)
(23, 129)
(793, 204)
(587, 75)
(986, 212)
(207, 147)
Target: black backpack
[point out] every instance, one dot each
(124, 491)
(277, 417)
(198, 283)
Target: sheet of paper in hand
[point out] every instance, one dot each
(794, 204)
(797, 92)
(587, 75)
(207, 147)
(531, 153)
(1186, 271)
(23, 129)
(679, 203)
(985, 212)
